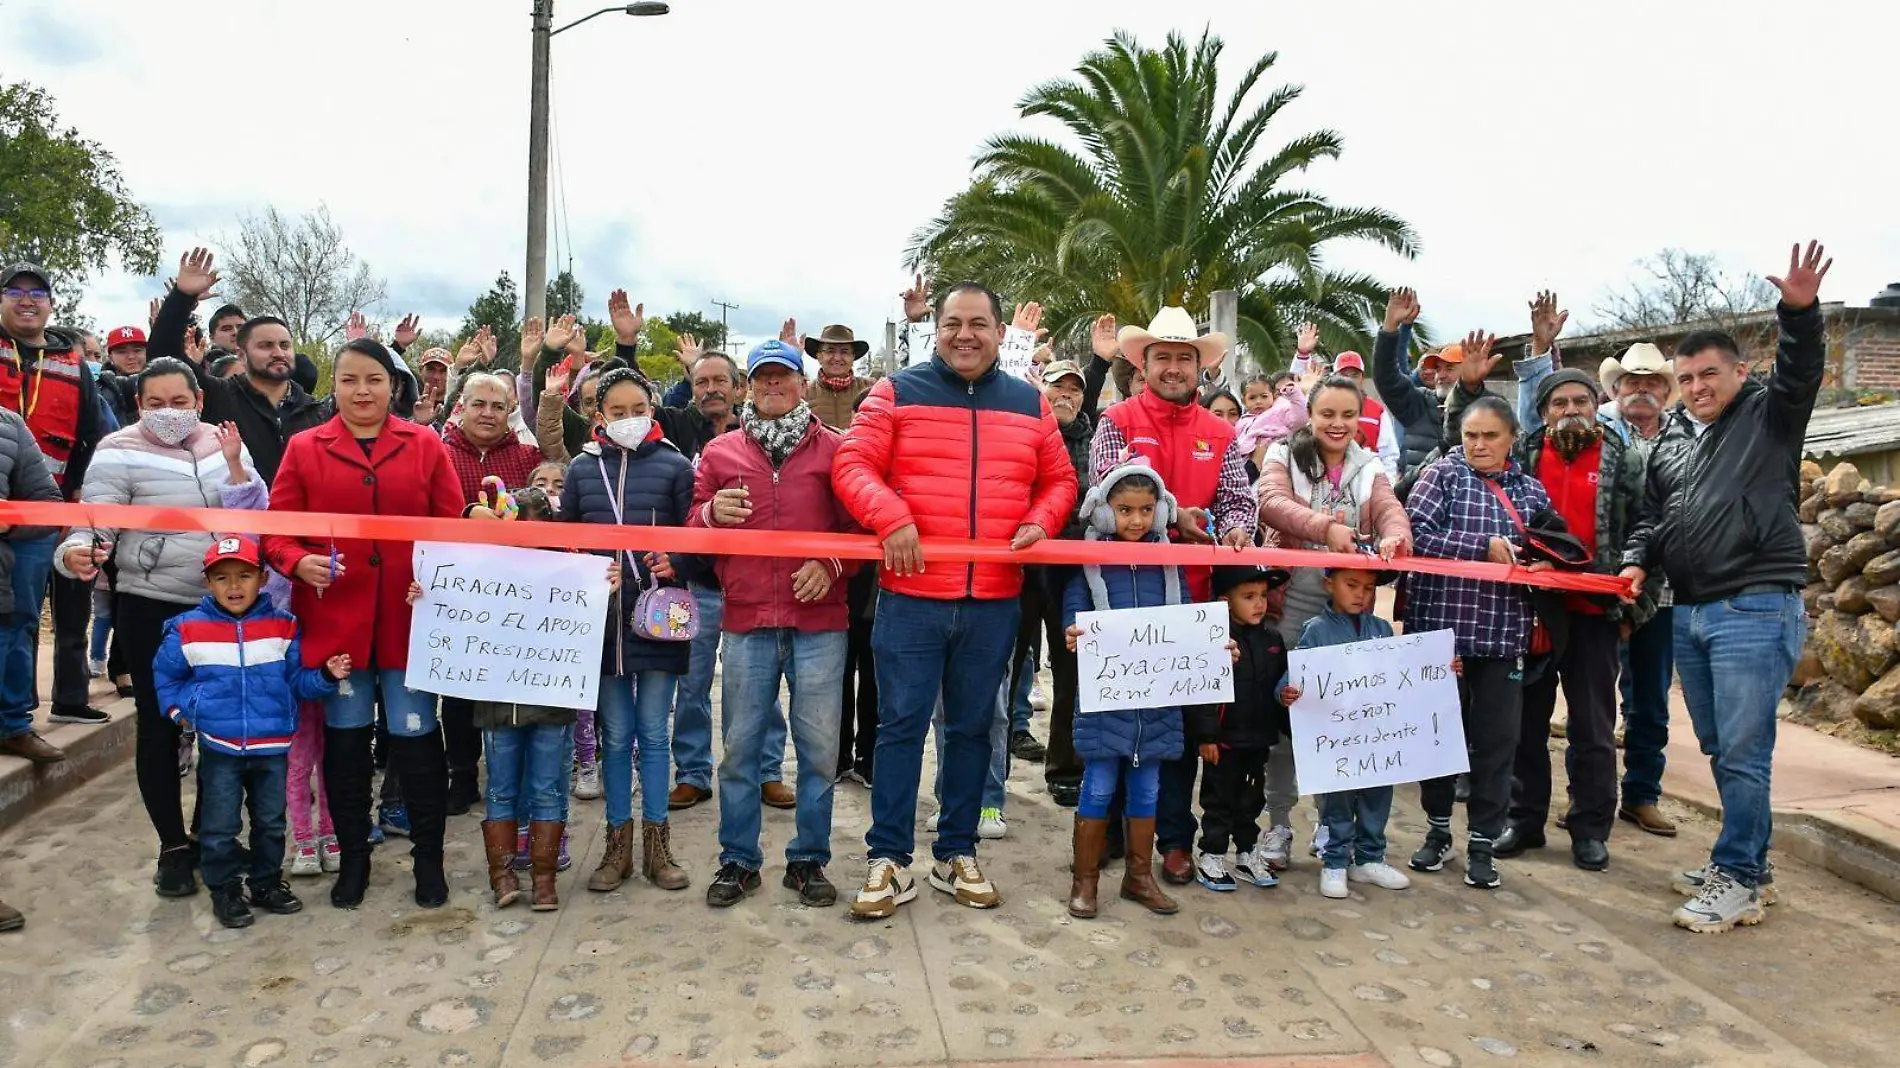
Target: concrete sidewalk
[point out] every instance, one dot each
(90, 751)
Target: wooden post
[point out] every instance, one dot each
(1223, 315)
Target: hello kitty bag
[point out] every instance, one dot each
(660, 613)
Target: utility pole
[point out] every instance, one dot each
(725, 336)
(536, 276)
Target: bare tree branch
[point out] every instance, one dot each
(300, 271)
(1683, 288)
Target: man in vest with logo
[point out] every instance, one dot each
(45, 379)
(1377, 432)
(1199, 460)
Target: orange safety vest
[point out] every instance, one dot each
(1369, 416)
(48, 397)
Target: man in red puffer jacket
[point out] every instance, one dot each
(950, 448)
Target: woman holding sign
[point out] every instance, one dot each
(630, 475)
(1320, 489)
(1466, 507)
(350, 595)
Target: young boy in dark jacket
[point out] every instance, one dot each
(230, 670)
(1234, 738)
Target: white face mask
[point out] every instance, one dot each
(169, 425)
(630, 433)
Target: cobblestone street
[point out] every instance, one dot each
(1560, 967)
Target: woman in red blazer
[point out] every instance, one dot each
(350, 597)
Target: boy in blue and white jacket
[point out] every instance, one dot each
(230, 669)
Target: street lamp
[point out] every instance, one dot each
(544, 31)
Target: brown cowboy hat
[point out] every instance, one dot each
(835, 334)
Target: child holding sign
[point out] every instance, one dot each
(1122, 747)
(1354, 819)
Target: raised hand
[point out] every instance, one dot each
(485, 337)
(532, 333)
(917, 301)
(427, 405)
(1029, 317)
(1308, 339)
(1478, 360)
(627, 318)
(788, 332)
(197, 273)
(407, 331)
(1401, 308)
(689, 352)
(151, 314)
(577, 345)
(1802, 287)
(231, 444)
(1102, 338)
(470, 353)
(1546, 322)
(194, 345)
(557, 380)
(559, 333)
(357, 328)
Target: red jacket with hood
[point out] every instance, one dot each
(960, 459)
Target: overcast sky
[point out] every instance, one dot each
(779, 155)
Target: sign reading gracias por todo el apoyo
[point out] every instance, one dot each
(497, 623)
(1154, 657)
(1376, 713)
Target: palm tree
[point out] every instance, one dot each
(1164, 204)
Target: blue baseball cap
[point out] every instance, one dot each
(774, 351)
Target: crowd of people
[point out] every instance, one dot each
(276, 666)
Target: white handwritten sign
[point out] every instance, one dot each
(922, 342)
(1017, 355)
(1376, 713)
(1154, 657)
(496, 623)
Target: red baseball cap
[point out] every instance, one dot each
(1349, 360)
(125, 335)
(234, 547)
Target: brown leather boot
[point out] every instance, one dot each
(32, 747)
(656, 848)
(498, 842)
(544, 857)
(617, 864)
(1138, 881)
(1091, 841)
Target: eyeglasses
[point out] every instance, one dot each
(16, 293)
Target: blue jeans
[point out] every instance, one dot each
(101, 624)
(227, 785)
(1355, 825)
(633, 705)
(959, 649)
(1020, 711)
(1100, 778)
(812, 664)
(1735, 658)
(411, 713)
(527, 770)
(995, 792)
(1649, 661)
(19, 634)
(692, 710)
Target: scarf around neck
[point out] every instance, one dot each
(778, 437)
(837, 385)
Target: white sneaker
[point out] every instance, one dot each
(931, 823)
(329, 854)
(989, 824)
(1038, 700)
(961, 878)
(1211, 871)
(886, 887)
(1721, 904)
(304, 861)
(1382, 875)
(1252, 867)
(1332, 883)
(1277, 846)
(96, 668)
(587, 782)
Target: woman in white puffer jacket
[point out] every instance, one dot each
(167, 459)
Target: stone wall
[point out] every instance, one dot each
(1851, 666)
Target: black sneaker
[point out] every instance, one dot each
(1431, 856)
(227, 904)
(1065, 794)
(808, 878)
(1481, 870)
(174, 877)
(275, 899)
(1024, 746)
(731, 885)
(78, 714)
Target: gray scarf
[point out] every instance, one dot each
(778, 437)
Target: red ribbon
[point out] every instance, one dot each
(778, 543)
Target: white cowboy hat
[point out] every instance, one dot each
(1170, 324)
(1641, 358)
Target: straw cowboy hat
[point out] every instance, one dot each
(835, 334)
(1171, 324)
(1641, 358)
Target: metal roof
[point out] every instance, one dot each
(1853, 431)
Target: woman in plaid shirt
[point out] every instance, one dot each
(1459, 512)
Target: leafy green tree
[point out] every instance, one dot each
(565, 296)
(63, 202)
(659, 352)
(499, 309)
(710, 332)
(1167, 201)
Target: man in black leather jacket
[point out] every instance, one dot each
(1718, 517)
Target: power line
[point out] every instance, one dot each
(725, 335)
